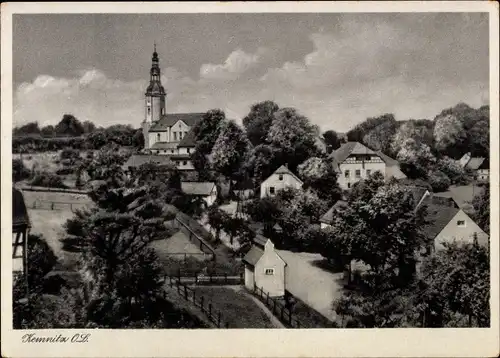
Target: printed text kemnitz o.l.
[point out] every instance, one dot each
(75, 338)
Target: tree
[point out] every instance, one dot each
(69, 126)
(332, 141)
(138, 139)
(48, 131)
(19, 170)
(27, 129)
(293, 137)
(88, 127)
(453, 170)
(456, 283)
(229, 151)
(206, 132)
(258, 122)
(263, 160)
(379, 138)
(448, 132)
(439, 181)
(481, 204)
(415, 159)
(365, 189)
(319, 175)
(264, 210)
(359, 131)
(421, 131)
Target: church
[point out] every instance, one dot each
(167, 136)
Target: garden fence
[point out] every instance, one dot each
(211, 279)
(284, 314)
(183, 223)
(189, 294)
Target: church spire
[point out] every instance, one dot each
(155, 86)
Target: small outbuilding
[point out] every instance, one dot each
(264, 268)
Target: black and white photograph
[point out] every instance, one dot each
(260, 170)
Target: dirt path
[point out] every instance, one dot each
(275, 321)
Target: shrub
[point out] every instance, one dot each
(49, 180)
(439, 181)
(65, 171)
(70, 153)
(19, 170)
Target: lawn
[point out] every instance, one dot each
(237, 307)
(49, 223)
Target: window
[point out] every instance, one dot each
(175, 136)
(269, 271)
(281, 177)
(358, 173)
(346, 174)
(184, 163)
(180, 135)
(271, 190)
(189, 150)
(149, 110)
(368, 171)
(349, 185)
(172, 151)
(461, 223)
(158, 137)
(165, 151)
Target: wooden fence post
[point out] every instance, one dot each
(274, 306)
(282, 307)
(202, 299)
(218, 319)
(178, 287)
(225, 276)
(227, 324)
(267, 299)
(194, 297)
(209, 310)
(210, 278)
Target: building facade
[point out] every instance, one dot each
(282, 178)
(165, 133)
(354, 162)
(265, 269)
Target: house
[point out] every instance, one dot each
(483, 171)
(478, 166)
(353, 162)
(264, 268)
(167, 134)
(20, 229)
(446, 222)
(282, 178)
(327, 218)
(205, 190)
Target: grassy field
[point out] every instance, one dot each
(237, 308)
(43, 161)
(49, 223)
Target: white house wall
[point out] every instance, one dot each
(453, 232)
(272, 284)
(288, 181)
(373, 166)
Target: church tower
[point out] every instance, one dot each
(155, 94)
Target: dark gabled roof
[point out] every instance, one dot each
(19, 211)
(169, 119)
(189, 140)
(284, 170)
(165, 145)
(197, 188)
(349, 148)
(438, 216)
(253, 256)
(485, 164)
(260, 240)
(474, 163)
(327, 218)
(136, 160)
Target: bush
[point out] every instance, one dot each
(19, 170)
(70, 153)
(65, 171)
(49, 180)
(439, 181)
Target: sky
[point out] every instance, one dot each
(336, 69)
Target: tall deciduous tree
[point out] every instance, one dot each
(293, 136)
(262, 161)
(359, 131)
(416, 159)
(229, 151)
(379, 138)
(259, 120)
(319, 175)
(421, 131)
(448, 133)
(206, 131)
(332, 141)
(69, 126)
